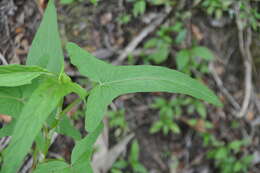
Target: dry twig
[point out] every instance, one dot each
(244, 46)
(2, 58)
(220, 85)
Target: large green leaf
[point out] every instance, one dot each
(46, 48)
(16, 75)
(114, 81)
(42, 102)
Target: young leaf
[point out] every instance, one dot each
(182, 59)
(81, 154)
(65, 127)
(202, 52)
(139, 8)
(114, 81)
(56, 166)
(161, 53)
(42, 102)
(46, 48)
(16, 75)
(84, 147)
(134, 153)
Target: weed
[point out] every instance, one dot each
(228, 157)
(133, 161)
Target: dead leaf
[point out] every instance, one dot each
(196, 32)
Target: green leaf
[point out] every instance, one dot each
(82, 165)
(65, 2)
(46, 48)
(156, 127)
(40, 142)
(11, 101)
(134, 152)
(139, 168)
(84, 147)
(42, 102)
(55, 166)
(182, 58)
(16, 75)
(113, 81)
(7, 130)
(175, 128)
(201, 109)
(139, 8)
(82, 152)
(202, 52)
(66, 128)
(161, 53)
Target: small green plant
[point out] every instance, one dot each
(139, 7)
(228, 157)
(117, 121)
(169, 111)
(196, 58)
(250, 14)
(33, 96)
(132, 162)
(216, 8)
(163, 42)
(124, 19)
(66, 2)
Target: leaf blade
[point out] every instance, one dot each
(52, 166)
(84, 147)
(11, 101)
(17, 75)
(114, 81)
(46, 48)
(35, 112)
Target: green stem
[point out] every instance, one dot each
(59, 115)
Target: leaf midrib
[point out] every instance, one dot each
(22, 100)
(148, 78)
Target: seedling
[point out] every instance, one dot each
(133, 161)
(216, 8)
(33, 95)
(117, 121)
(170, 111)
(167, 115)
(163, 42)
(227, 157)
(194, 59)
